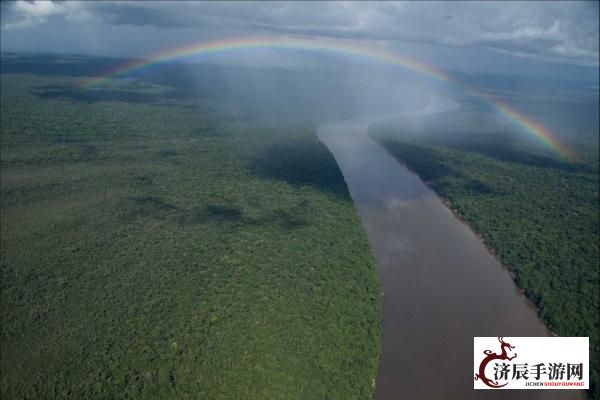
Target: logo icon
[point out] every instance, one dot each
(552, 362)
(491, 356)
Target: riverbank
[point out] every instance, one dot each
(534, 214)
(492, 252)
(441, 286)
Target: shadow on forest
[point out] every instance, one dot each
(423, 162)
(53, 65)
(505, 152)
(476, 131)
(301, 162)
(173, 76)
(221, 213)
(92, 96)
(157, 208)
(418, 158)
(232, 85)
(292, 218)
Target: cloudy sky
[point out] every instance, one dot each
(482, 35)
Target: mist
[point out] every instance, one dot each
(548, 52)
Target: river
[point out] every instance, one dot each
(441, 286)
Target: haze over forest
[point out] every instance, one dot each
(270, 199)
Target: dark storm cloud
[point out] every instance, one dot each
(131, 14)
(565, 31)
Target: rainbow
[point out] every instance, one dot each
(535, 128)
(217, 46)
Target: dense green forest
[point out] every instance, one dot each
(170, 237)
(157, 245)
(537, 212)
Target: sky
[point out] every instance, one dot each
(556, 38)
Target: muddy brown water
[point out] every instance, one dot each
(441, 286)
